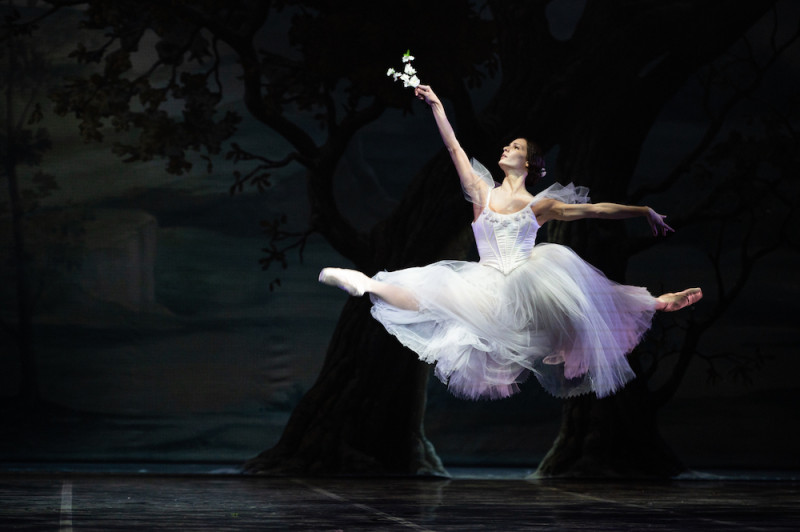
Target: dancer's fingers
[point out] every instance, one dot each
(660, 226)
(664, 226)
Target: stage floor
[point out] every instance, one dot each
(471, 500)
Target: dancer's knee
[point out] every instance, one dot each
(394, 295)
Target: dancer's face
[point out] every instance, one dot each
(514, 157)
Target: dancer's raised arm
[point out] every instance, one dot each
(550, 209)
(472, 184)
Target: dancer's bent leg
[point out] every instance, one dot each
(675, 301)
(356, 283)
(396, 296)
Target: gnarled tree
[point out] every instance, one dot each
(595, 96)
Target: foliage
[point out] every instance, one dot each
(23, 148)
(160, 73)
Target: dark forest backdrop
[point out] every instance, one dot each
(176, 173)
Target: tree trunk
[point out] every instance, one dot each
(612, 437)
(599, 147)
(29, 387)
(364, 413)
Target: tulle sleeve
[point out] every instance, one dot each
(482, 177)
(565, 194)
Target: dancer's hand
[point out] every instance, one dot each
(426, 94)
(657, 223)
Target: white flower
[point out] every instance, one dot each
(408, 75)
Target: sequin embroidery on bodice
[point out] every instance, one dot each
(505, 240)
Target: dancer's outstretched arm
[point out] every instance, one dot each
(555, 210)
(474, 186)
(550, 209)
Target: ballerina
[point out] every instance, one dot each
(524, 308)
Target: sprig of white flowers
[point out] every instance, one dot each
(409, 74)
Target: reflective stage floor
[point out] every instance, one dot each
(471, 500)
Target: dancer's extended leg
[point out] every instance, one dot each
(356, 283)
(396, 296)
(675, 301)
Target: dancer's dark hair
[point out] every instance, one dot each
(535, 158)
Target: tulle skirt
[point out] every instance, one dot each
(555, 316)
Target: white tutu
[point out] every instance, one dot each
(523, 309)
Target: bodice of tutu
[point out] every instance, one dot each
(505, 240)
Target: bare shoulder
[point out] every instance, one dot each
(545, 203)
(544, 207)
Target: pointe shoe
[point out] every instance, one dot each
(678, 300)
(351, 281)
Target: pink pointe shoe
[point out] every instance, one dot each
(351, 281)
(678, 300)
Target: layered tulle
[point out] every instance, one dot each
(555, 316)
(524, 308)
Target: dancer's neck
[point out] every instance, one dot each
(514, 183)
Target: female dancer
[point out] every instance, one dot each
(523, 308)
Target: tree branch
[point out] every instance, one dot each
(725, 298)
(258, 175)
(716, 122)
(256, 104)
(30, 25)
(242, 44)
(354, 121)
(666, 391)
